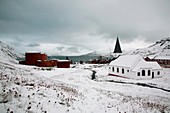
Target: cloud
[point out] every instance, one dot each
(88, 23)
(33, 45)
(62, 49)
(139, 42)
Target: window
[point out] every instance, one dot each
(149, 72)
(122, 71)
(109, 67)
(127, 70)
(158, 73)
(118, 70)
(113, 69)
(143, 72)
(138, 73)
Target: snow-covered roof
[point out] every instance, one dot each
(134, 62)
(125, 60)
(162, 57)
(33, 52)
(142, 64)
(151, 56)
(63, 60)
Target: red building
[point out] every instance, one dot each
(45, 63)
(38, 59)
(54, 62)
(63, 64)
(32, 57)
(43, 57)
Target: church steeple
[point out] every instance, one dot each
(117, 46)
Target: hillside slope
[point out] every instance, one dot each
(161, 47)
(7, 53)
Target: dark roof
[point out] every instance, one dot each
(117, 47)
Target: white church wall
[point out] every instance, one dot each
(120, 71)
(143, 73)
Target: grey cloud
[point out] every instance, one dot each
(73, 49)
(56, 21)
(33, 45)
(60, 48)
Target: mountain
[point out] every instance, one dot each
(161, 47)
(94, 53)
(8, 54)
(99, 53)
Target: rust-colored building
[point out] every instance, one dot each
(45, 63)
(38, 59)
(54, 62)
(32, 57)
(43, 57)
(63, 64)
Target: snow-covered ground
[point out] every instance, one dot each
(33, 89)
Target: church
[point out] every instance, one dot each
(133, 66)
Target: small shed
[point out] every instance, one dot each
(63, 64)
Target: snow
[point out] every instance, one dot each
(134, 62)
(63, 61)
(7, 54)
(72, 90)
(33, 52)
(126, 60)
(142, 64)
(160, 48)
(163, 57)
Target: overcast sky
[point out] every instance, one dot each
(81, 26)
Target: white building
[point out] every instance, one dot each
(134, 66)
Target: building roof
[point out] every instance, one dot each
(142, 64)
(117, 47)
(134, 62)
(162, 57)
(33, 52)
(63, 60)
(125, 60)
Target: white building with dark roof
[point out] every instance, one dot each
(134, 66)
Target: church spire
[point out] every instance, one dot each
(117, 46)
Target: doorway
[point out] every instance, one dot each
(152, 74)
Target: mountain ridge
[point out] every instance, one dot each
(8, 54)
(161, 47)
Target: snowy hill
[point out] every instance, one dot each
(99, 53)
(95, 53)
(7, 53)
(161, 47)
